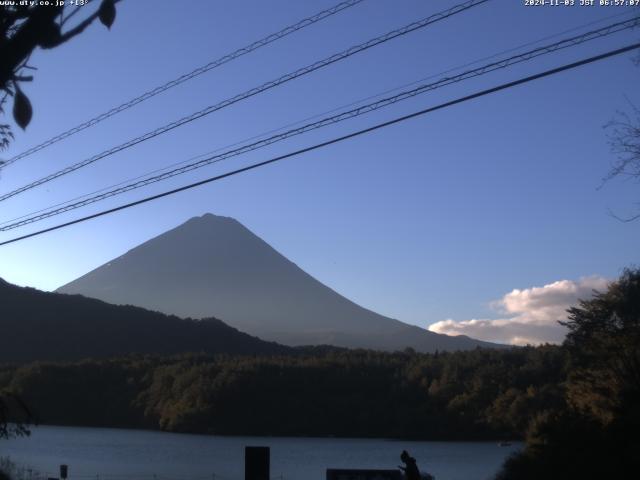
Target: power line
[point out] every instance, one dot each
(188, 76)
(317, 146)
(382, 103)
(254, 91)
(318, 115)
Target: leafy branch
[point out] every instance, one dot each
(23, 28)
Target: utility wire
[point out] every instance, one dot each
(385, 102)
(188, 76)
(317, 146)
(254, 91)
(298, 122)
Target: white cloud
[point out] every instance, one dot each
(530, 316)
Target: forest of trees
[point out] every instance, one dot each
(595, 432)
(577, 405)
(478, 394)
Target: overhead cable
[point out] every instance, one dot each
(340, 117)
(317, 146)
(187, 76)
(250, 93)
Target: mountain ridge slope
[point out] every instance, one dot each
(215, 266)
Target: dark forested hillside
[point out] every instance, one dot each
(36, 325)
(479, 394)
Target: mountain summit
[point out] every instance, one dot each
(212, 266)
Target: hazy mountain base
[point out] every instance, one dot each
(214, 266)
(481, 394)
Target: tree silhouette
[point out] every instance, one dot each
(23, 28)
(624, 142)
(604, 341)
(595, 434)
(15, 416)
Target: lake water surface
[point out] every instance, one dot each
(114, 454)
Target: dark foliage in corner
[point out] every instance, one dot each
(596, 434)
(15, 416)
(23, 28)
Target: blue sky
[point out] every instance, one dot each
(429, 220)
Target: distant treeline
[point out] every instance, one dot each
(481, 394)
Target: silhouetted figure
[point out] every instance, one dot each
(410, 469)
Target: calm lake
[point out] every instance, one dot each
(114, 454)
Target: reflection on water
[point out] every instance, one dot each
(114, 454)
